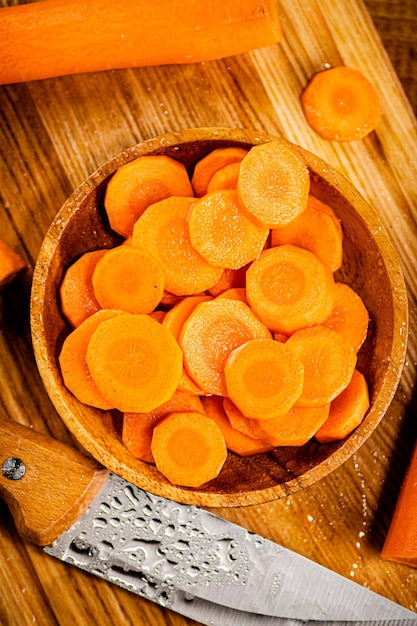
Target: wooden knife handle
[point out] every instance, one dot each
(46, 484)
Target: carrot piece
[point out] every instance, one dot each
(240, 422)
(236, 441)
(135, 362)
(138, 428)
(329, 362)
(11, 264)
(209, 165)
(163, 230)
(318, 205)
(225, 178)
(174, 321)
(159, 315)
(349, 316)
(73, 364)
(290, 288)
(263, 378)
(57, 37)
(222, 233)
(273, 184)
(313, 230)
(282, 337)
(78, 300)
(235, 293)
(230, 279)
(211, 332)
(294, 428)
(341, 104)
(130, 279)
(347, 410)
(400, 543)
(188, 448)
(140, 183)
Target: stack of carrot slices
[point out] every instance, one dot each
(217, 325)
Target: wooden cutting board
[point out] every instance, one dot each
(55, 132)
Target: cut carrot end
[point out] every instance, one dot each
(188, 448)
(341, 104)
(273, 184)
(263, 378)
(135, 362)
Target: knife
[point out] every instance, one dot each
(182, 557)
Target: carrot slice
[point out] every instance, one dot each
(174, 321)
(349, 316)
(313, 230)
(129, 278)
(401, 541)
(263, 378)
(11, 264)
(236, 441)
(214, 161)
(163, 230)
(240, 422)
(341, 104)
(222, 233)
(212, 331)
(273, 184)
(225, 178)
(236, 293)
(290, 288)
(78, 300)
(138, 428)
(230, 279)
(329, 362)
(135, 362)
(294, 428)
(73, 364)
(188, 448)
(137, 184)
(347, 410)
(318, 205)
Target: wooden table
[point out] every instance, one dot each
(55, 132)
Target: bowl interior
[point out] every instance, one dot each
(370, 266)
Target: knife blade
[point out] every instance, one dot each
(180, 556)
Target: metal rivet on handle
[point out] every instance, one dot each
(13, 468)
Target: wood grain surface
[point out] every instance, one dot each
(55, 132)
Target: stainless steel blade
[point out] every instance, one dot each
(169, 552)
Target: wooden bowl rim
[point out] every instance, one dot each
(221, 135)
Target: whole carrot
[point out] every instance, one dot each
(57, 37)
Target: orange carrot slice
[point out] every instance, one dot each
(240, 422)
(230, 279)
(329, 362)
(290, 288)
(400, 543)
(11, 264)
(137, 184)
(294, 428)
(129, 278)
(188, 448)
(222, 233)
(225, 178)
(341, 104)
(263, 378)
(235, 293)
(313, 230)
(349, 316)
(273, 184)
(211, 332)
(347, 410)
(214, 161)
(138, 428)
(163, 230)
(135, 362)
(73, 364)
(78, 300)
(236, 441)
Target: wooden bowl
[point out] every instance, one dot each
(370, 266)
